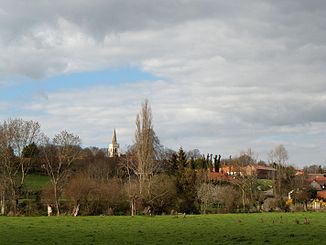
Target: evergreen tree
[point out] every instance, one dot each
(173, 164)
(185, 183)
(181, 159)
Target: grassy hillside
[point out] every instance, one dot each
(36, 182)
(267, 228)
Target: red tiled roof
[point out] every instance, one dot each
(321, 180)
(218, 176)
(321, 194)
(261, 167)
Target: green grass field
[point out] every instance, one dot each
(266, 228)
(36, 182)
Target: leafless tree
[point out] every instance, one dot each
(145, 146)
(59, 154)
(228, 196)
(209, 194)
(278, 157)
(246, 178)
(15, 136)
(79, 190)
(141, 162)
(195, 154)
(162, 193)
(206, 195)
(128, 166)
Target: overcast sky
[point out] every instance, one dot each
(221, 76)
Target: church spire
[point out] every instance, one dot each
(113, 150)
(114, 138)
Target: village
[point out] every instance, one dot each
(146, 179)
(162, 122)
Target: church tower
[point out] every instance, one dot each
(114, 146)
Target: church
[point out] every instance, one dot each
(113, 150)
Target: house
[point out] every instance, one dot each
(315, 185)
(261, 171)
(230, 170)
(318, 183)
(218, 176)
(321, 195)
(314, 176)
(322, 182)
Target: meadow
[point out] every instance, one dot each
(36, 182)
(260, 228)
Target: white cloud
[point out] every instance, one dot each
(183, 115)
(233, 75)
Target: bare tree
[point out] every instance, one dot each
(162, 193)
(78, 191)
(209, 194)
(145, 146)
(246, 178)
(132, 190)
(141, 161)
(15, 136)
(280, 155)
(132, 185)
(228, 196)
(205, 195)
(278, 158)
(59, 154)
(9, 184)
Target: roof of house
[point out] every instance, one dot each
(262, 167)
(314, 184)
(218, 176)
(321, 194)
(312, 176)
(321, 180)
(231, 168)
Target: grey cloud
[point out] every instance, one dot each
(234, 75)
(102, 16)
(241, 35)
(191, 116)
(286, 111)
(114, 16)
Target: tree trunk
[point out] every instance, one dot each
(14, 202)
(305, 206)
(76, 210)
(22, 172)
(3, 203)
(56, 199)
(133, 207)
(243, 200)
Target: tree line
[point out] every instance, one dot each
(147, 179)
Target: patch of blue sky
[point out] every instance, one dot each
(24, 87)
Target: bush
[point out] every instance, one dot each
(270, 204)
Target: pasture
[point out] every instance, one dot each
(263, 228)
(36, 182)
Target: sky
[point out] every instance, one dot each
(220, 76)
